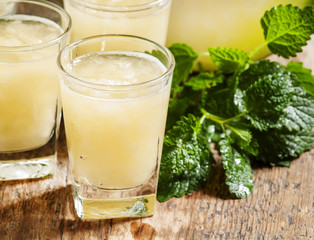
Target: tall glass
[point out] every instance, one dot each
(31, 35)
(145, 18)
(115, 92)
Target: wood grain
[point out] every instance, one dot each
(281, 206)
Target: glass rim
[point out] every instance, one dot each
(32, 47)
(120, 87)
(121, 9)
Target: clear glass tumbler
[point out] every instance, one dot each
(115, 93)
(145, 18)
(32, 34)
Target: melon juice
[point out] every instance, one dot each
(115, 92)
(113, 143)
(145, 18)
(31, 36)
(29, 83)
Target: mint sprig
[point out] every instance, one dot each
(251, 110)
(287, 28)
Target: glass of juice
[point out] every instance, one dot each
(225, 23)
(115, 94)
(145, 18)
(31, 36)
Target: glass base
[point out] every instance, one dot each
(37, 163)
(94, 203)
(24, 169)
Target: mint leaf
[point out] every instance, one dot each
(243, 138)
(239, 174)
(264, 91)
(277, 147)
(159, 55)
(186, 162)
(185, 58)
(299, 115)
(176, 109)
(303, 76)
(204, 80)
(228, 60)
(242, 134)
(181, 105)
(287, 28)
(220, 102)
(211, 131)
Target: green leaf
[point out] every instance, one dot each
(299, 114)
(242, 137)
(220, 102)
(186, 162)
(185, 58)
(239, 174)
(203, 81)
(277, 147)
(182, 104)
(177, 109)
(159, 55)
(303, 76)
(264, 91)
(228, 60)
(211, 131)
(237, 129)
(287, 28)
(243, 134)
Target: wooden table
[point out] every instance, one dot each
(281, 207)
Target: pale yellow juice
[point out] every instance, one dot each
(6, 8)
(114, 139)
(225, 23)
(151, 23)
(28, 83)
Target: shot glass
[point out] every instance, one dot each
(31, 36)
(145, 18)
(115, 93)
